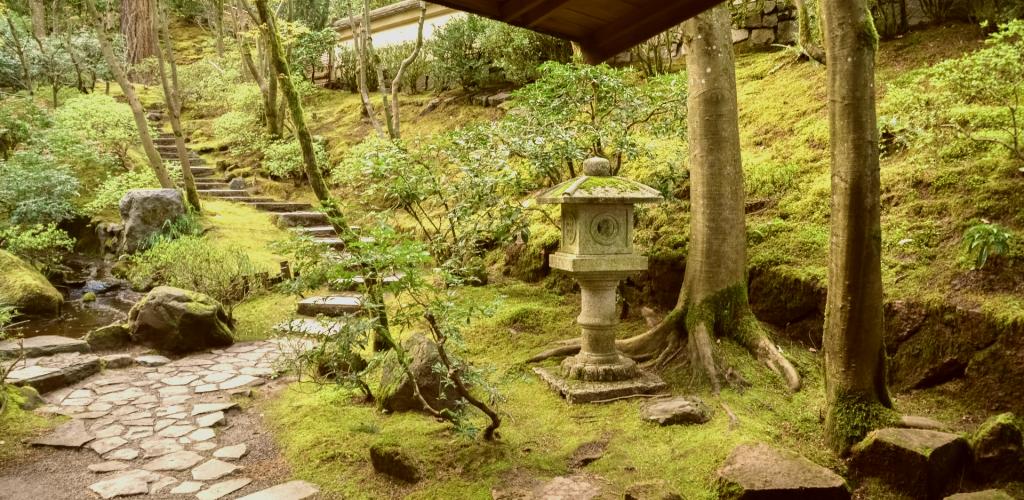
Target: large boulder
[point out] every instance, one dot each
(396, 388)
(998, 449)
(919, 463)
(758, 471)
(144, 212)
(25, 289)
(179, 321)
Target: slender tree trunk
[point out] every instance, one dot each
(38, 10)
(137, 27)
(269, 107)
(19, 49)
(396, 124)
(155, 162)
(274, 116)
(857, 397)
(808, 44)
(280, 66)
(362, 62)
(172, 100)
(218, 21)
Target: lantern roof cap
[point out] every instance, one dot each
(598, 186)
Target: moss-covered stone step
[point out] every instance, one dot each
(760, 471)
(317, 231)
(354, 283)
(919, 463)
(335, 243)
(49, 373)
(201, 171)
(301, 219)
(204, 184)
(223, 193)
(245, 199)
(44, 345)
(280, 206)
(334, 305)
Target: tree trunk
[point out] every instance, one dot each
(38, 10)
(274, 118)
(137, 27)
(218, 21)
(19, 49)
(362, 63)
(396, 124)
(313, 175)
(857, 397)
(155, 162)
(371, 55)
(172, 100)
(808, 45)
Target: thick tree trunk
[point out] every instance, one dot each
(38, 10)
(855, 368)
(137, 27)
(173, 103)
(313, 175)
(155, 162)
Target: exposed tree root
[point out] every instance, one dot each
(702, 355)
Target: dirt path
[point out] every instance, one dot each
(175, 430)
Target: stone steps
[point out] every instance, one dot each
(301, 219)
(334, 305)
(335, 243)
(203, 171)
(223, 193)
(204, 184)
(280, 206)
(352, 284)
(44, 345)
(245, 199)
(49, 373)
(317, 231)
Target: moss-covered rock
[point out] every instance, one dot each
(396, 391)
(179, 321)
(114, 336)
(25, 289)
(998, 449)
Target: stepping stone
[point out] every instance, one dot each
(50, 378)
(918, 463)
(174, 390)
(101, 446)
(576, 486)
(212, 470)
(90, 415)
(216, 377)
(115, 361)
(982, 495)
(110, 431)
(235, 452)
(43, 345)
(176, 431)
(159, 447)
(210, 419)
(223, 489)
(206, 388)
(677, 410)
(179, 380)
(177, 461)
(335, 243)
(351, 284)
(240, 381)
(201, 408)
(281, 206)
(122, 454)
(71, 434)
(138, 433)
(204, 434)
(292, 490)
(246, 199)
(109, 466)
(296, 219)
(204, 446)
(760, 471)
(152, 360)
(160, 484)
(132, 482)
(337, 305)
(187, 488)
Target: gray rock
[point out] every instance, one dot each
(108, 466)
(677, 410)
(787, 33)
(110, 337)
(144, 212)
(335, 305)
(739, 35)
(187, 488)
(770, 21)
(122, 454)
(116, 361)
(396, 391)
(210, 419)
(231, 452)
(177, 461)
(132, 482)
(981, 495)
(762, 37)
(576, 487)
(49, 378)
(998, 449)
(223, 489)
(201, 408)
(159, 447)
(101, 446)
(292, 490)
(755, 471)
(587, 453)
(237, 183)
(71, 434)
(212, 470)
(43, 345)
(152, 360)
(179, 321)
(918, 463)
(390, 460)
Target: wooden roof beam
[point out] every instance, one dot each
(527, 13)
(640, 26)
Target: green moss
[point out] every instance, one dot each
(25, 289)
(256, 318)
(851, 417)
(236, 226)
(16, 425)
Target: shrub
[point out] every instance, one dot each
(243, 130)
(109, 194)
(458, 55)
(206, 87)
(35, 189)
(20, 117)
(519, 52)
(41, 245)
(100, 121)
(192, 263)
(283, 159)
(984, 240)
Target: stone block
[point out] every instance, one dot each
(758, 471)
(577, 391)
(918, 463)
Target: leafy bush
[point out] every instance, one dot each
(20, 117)
(283, 159)
(109, 194)
(192, 263)
(35, 189)
(457, 54)
(518, 53)
(100, 121)
(207, 88)
(41, 245)
(984, 240)
(243, 130)
(310, 47)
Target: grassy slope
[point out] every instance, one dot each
(16, 425)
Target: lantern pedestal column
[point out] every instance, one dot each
(599, 360)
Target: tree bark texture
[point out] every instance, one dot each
(397, 82)
(38, 11)
(155, 162)
(283, 75)
(138, 29)
(857, 396)
(172, 101)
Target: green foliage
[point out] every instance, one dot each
(40, 245)
(283, 158)
(575, 111)
(36, 189)
(309, 48)
(518, 53)
(207, 88)
(457, 53)
(99, 121)
(192, 263)
(109, 194)
(984, 240)
(243, 130)
(20, 116)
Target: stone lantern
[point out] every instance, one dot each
(597, 250)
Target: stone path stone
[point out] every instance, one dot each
(919, 463)
(43, 345)
(49, 373)
(336, 305)
(294, 490)
(154, 430)
(677, 410)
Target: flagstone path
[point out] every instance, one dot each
(174, 430)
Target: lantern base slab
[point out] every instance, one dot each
(579, 391)
(580, 367)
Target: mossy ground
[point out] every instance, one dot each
(236, 226)
(16, 425)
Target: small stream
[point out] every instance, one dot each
(114, 298)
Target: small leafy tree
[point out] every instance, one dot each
(41, 245)
(20, 118)
(99, 120)
(309, 49)
(36, 189)
(984, 240)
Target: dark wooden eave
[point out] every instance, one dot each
(602, 28)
